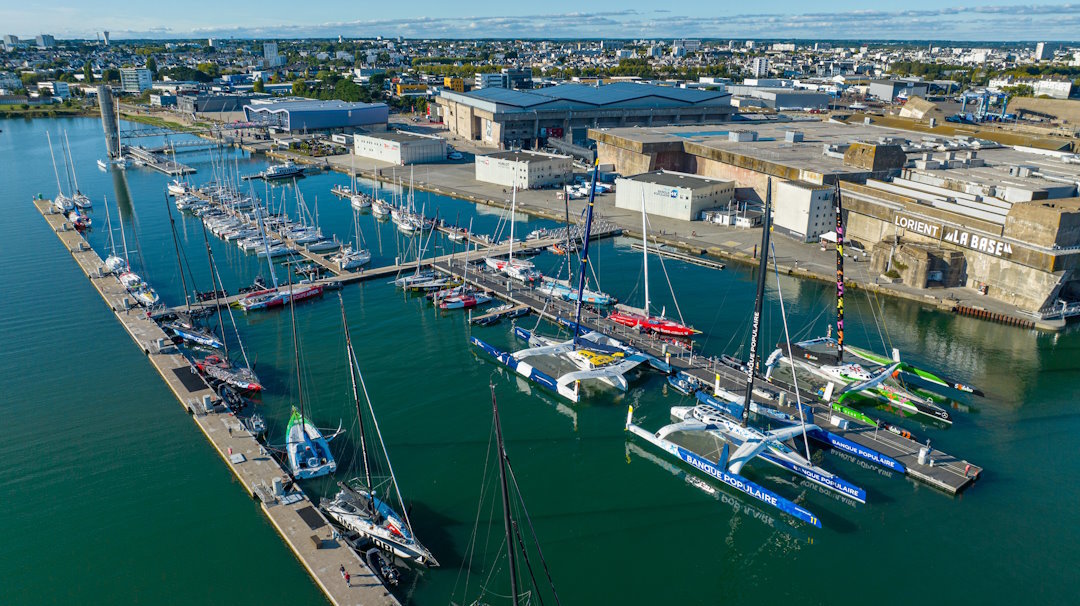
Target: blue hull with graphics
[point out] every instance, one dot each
(735, 481)
(846, 445)
(521, 368)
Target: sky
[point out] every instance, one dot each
(960, 20)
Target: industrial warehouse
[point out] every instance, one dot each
(939, 211)
(322, 116)
(507, 119)
(673, 194)
(400, 147)
(524, 169)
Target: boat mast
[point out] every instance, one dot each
(513, 208)
(566, 207)
(266, 247)
(356, 398)
(645, 248)
(751, 360)
(839, 277)
(217, 300)
(507, 520)
(179, 263)
(123, 235)
(584, 256)
(68, 169)
(296, 357)
(74, 177)
(108, 226)
(59, 189)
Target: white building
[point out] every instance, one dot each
(56, 89)
(759, 67)
(1055, 89)
(803, 211)
(673, 194)
(494, 80)
(690, 44)
(135, 79)
(524, 169)
(1044, 51)
(45, 41)
(399, 147)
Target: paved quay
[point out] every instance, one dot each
(300, 524)
(804, 260)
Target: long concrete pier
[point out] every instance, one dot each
(299, 522)
(939, 469)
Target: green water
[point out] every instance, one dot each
(109, 494)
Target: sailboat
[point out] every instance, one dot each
(735, 432)
(61, 202)
(518, 269)
(593, 356)
(183, 327)
(113, 262)
(515, 545)
(133, 282)
(307, 450)
(358, 506)
(464, 296)
(826, 356)
(79, 199)
(352, 257)
(643, 318)
(276, 296)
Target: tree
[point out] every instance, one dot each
(299, 88)
(259, 87)
(88, 72)
(151, 65)
(111, 75)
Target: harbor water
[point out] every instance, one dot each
(109, 493)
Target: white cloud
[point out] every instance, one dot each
(1007, 22)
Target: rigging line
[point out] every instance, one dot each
(877, 324)
(884, 324)
(532, 530)
(528, 563)
(666, 276)
(787, 337)
(382, 444)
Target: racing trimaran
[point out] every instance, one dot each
(594, 355)
(825, 356)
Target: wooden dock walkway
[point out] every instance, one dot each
(701, 260)
(947, 473)
(296, 518)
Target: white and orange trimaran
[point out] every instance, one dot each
(643, 318)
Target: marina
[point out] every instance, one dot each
(611, 482)
(300, 525)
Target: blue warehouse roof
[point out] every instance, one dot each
(582, 96)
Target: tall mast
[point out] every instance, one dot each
(179, 263)
(123, 235)
(67, 165)
(356, 398)
(217, 300)
(108, 226)
(645, 248)
(566, 207)
(513, 208)
(839, 277)
(266, 247)
(59, 189)
(751, 360)
(74, 177)
(585, 254)
(508, 522)
(296, 356)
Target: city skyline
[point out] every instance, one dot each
(919, 20)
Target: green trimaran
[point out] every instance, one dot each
(825, 357)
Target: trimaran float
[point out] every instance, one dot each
(827, 357)
(741, 441)
(593, 355)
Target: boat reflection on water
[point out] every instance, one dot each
(787, 537)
